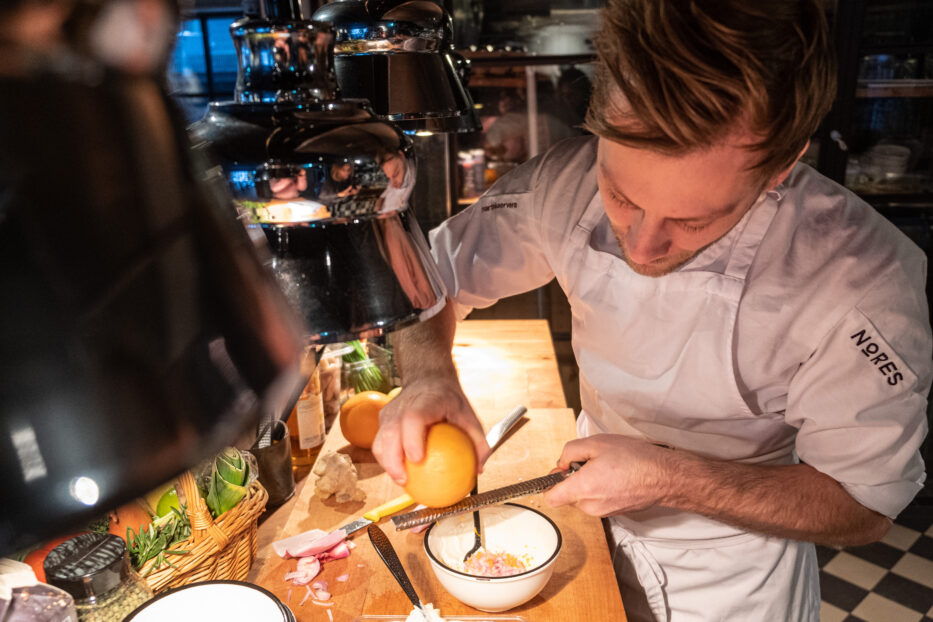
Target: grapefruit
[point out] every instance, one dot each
(447, 472)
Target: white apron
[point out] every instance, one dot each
(656, 362)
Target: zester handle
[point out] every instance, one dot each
(387, 552)
(490, 497)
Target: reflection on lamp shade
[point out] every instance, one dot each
(398, 54)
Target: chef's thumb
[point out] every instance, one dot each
(414, 431)
(387, 449)
(561, 494)
(480, 446)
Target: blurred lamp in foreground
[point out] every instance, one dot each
(140, 332)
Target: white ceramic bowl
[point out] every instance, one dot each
(508, 528)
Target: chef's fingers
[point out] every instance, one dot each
(565, 493)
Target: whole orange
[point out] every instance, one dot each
(359, 417)
(448, 471)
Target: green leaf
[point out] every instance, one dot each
(230, 465)
(224, 492)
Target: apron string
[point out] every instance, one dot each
(650, 574)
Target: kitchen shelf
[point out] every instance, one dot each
(483, 58)
(895, 48)
(894, 88)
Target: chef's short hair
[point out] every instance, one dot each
(677, 75)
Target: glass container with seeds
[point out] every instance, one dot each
(95, 569)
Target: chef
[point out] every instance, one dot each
(753, 339)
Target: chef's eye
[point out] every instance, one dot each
(691, 228)
(618, 199)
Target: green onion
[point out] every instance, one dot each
(364, 375)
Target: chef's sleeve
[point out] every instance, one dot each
(860, 401)
(494, 248)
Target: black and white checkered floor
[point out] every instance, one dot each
(888, 581)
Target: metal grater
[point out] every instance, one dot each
(490, 497)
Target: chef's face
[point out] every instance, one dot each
(665, 209)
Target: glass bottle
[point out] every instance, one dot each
(306, 422)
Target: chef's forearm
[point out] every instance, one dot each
(424, 351)
(791, 501)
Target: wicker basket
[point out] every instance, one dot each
(221, 549)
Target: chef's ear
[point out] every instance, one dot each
(780, 177)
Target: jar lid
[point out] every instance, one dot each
(86, 565)
(333, 350)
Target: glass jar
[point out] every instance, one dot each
(373, 370)
(331, 384)
(95, 569)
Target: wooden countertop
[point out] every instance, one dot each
(502, 363)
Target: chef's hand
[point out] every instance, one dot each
(621, 475)
(404, 423)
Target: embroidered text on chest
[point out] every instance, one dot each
(880, 359)
(509, 205)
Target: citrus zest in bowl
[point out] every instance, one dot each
(447, 472)
(485, 563)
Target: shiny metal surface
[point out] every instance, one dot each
(387, 553)
(140, 331)
(283, 61)
(399, 55)
(357, 277)
(327, 183)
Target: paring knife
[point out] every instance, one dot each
(490, 497)
(373, 515)
(493, 438)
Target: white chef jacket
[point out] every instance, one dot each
(828, 267)
(832, 344)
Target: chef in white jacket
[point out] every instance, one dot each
(753, 339)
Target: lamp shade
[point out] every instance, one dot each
(399, 55)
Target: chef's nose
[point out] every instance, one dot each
(646, 239)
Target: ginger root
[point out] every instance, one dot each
(337, 476)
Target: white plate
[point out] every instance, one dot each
(231, 601)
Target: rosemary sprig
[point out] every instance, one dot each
(156, 540)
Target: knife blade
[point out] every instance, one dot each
(490, 497)
(493, 438)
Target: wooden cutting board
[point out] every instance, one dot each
(502, 364)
